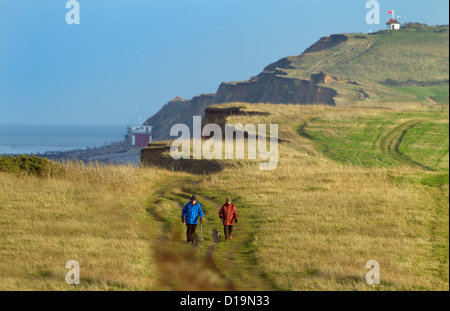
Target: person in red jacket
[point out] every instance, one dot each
(229, 216)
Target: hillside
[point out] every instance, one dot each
(176, 111)
(417, 54)
(409, 65)
(375, 64)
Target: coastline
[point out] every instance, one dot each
(115, 153)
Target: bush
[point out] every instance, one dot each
(29, 165)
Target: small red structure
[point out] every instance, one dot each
(139, 135)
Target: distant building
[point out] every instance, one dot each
(139, 135)
(393, 24)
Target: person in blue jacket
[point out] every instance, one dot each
(190, 214)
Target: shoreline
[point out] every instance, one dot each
(115, 153)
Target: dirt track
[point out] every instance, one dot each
(211, 264)
(389, 143)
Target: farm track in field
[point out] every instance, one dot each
(390, 143)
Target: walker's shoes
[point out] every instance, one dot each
(231, 237)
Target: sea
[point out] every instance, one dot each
(36, 139)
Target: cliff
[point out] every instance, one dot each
(268, 87)
(158, 154)
(176, 111)
(338, 70)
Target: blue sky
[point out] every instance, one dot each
(141, 53)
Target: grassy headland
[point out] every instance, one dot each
(352, 185)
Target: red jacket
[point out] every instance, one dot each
(228, 214)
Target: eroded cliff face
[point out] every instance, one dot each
(158, 154)
(219, 116)
(326, 43)
(177, 111)
(270, 87)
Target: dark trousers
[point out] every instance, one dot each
(190, 231)
(228, 229)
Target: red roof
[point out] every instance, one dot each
(392, 21)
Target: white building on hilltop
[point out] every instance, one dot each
(393, 24)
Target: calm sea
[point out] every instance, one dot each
(42, 138)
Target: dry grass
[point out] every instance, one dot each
(94, 214)
(317, 223)
(311, 224)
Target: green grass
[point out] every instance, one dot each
(440, 93)
(427, 143)
(398, 55)
(435, 180)
(389, 139)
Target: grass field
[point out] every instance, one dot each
(93, 214)
(387, 139)
(436, 93)
(352, 185)
(317, 222)
(427, 142)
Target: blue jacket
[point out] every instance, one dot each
(192, 212)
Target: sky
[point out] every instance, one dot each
(127, 58)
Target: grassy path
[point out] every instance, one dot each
(211, 264)
(389, 144)
(415, 140)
